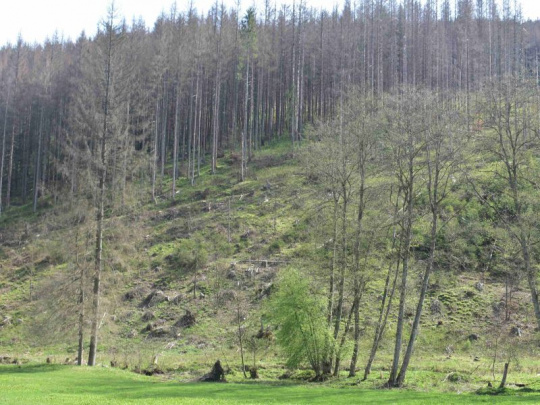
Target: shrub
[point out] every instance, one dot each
(303, 333)
(190, 255)
(274, 247)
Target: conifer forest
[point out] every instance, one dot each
(340, 198)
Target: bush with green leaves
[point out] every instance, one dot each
(300, 315)
(190, 255)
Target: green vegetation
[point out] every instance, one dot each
(303, 334)
(146, 248)
(45, 384)
(327, 212)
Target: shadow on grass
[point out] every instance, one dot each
(30, 368)
(507, 391)
(528, 390)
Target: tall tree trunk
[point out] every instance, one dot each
(293, 81)
(10, 168)
(359, 280)
(196, 122)
(126, 153)
(215, 132)
(359, 286)
(12, 143)
(246, 126)
(328, 362)
(423, 291)
(344, 209)
(387, 295)
(98, 264)
(383, 318)
(199, 129)
(37, 175)
(164, 121)
(175, 145)
(240, 338)
(407, 235)
(81, 300)
(2, 157)
(339, 350)
(332, 284)
(252, 118)
(154, 154)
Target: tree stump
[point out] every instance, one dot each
(253, 373)
(217, 374)
(505, 373)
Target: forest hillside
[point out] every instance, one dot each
(300, 194)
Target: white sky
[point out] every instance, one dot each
(36, 20)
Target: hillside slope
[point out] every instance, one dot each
(184, 278)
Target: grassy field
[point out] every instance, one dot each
(55, 384)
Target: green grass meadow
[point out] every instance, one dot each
(56, 384)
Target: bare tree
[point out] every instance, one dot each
(2, 157)
(102, 95)
(406, 128)
(442, 148)
(511, 112)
